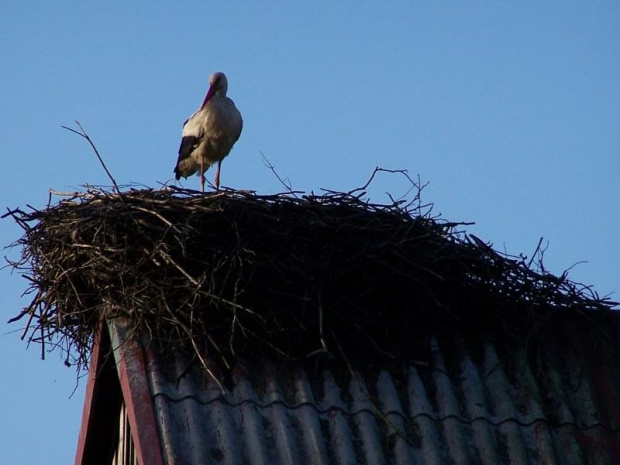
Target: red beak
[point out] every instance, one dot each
(210, 93)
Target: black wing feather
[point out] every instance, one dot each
(188, 144)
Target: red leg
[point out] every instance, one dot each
(217, 175)
(202, 173)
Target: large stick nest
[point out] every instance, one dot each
(235, 272)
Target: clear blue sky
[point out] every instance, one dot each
(511, 110)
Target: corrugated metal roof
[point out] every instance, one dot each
(468, 403)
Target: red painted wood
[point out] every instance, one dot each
(95, 361)
(138, 399)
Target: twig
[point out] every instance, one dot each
(268, 164)
(536, 252)
(87, 137)
(372, 177)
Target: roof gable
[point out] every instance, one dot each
(117, 376)
(99, 432)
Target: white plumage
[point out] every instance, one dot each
(210, 133)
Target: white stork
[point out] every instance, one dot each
(210, 133)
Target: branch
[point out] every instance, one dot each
(83, 134)
(270, 165)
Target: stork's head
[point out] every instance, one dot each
(218, 85)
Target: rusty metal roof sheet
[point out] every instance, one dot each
(468, 403)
